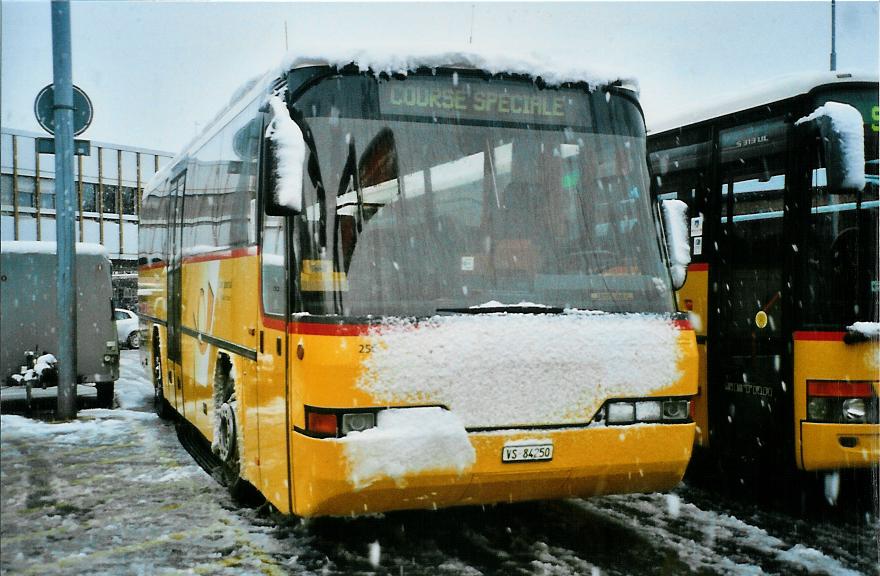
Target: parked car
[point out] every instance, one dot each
(127, 333)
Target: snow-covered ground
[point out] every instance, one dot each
(115, 493)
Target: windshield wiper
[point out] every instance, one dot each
(512, 309)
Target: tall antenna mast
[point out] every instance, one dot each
(471, 37)
(833, 37)
(285, 37)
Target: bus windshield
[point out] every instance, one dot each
(434, 193)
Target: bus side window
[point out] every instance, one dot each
(273, 270)
(831, 279)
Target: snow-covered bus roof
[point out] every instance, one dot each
(396, 60)
(764, 92)
(401, 60)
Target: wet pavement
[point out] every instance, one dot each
(115, 493)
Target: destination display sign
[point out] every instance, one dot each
(475, 99)
(753, 140)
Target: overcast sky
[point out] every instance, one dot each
(157, 72)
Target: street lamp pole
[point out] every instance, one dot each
(65, 216)
(833, 36)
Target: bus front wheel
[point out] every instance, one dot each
(160, 405)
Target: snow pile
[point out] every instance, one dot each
(508, 370)
(868, 329)
(45, 362)
(402, 59)
(813, 561)
(408, 441)
(845, 130)
(728, 546)
(375, 554)
(173, 475)
(134, 389)
(676, 220)
(290, 154)
(93, 427)
(44, 247)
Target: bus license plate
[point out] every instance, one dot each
(527, 452)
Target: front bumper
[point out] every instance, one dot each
(834, 446)
(586, 462)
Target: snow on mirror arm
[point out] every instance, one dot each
(437, 193)
(675, 224)
(841, 128)
(862, 332)
(290, 152)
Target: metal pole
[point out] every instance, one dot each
(833, 37)
(66, 279)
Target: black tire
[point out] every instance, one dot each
(105, 394)
(239, 489)
(160, 405)
(225, 408)
(134, 340)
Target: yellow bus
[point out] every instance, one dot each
(783, 287)
(373, 289)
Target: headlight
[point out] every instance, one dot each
(853, 410)
(817, 409)
(648, 411)
(357, 422)
(675, 409)
(621, 413)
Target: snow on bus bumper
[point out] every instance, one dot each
(585, 462)
(834, 446)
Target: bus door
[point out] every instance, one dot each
(175, 287)
(747, 373)
(272, 364)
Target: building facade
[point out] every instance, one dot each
(108, 184)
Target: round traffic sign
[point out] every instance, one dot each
(44, 109)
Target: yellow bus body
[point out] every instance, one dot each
(693, 298)
(817, 356)
(821, 446)
(308, 476)
(587, 461)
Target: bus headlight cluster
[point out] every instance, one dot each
(671, 410)
(335, 423)
(841, 402)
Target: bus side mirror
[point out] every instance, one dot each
(678, 246)
(840, 128)
(287, 149)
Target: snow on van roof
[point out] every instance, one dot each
(45, 247)
(764, 92)
(401, 60)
